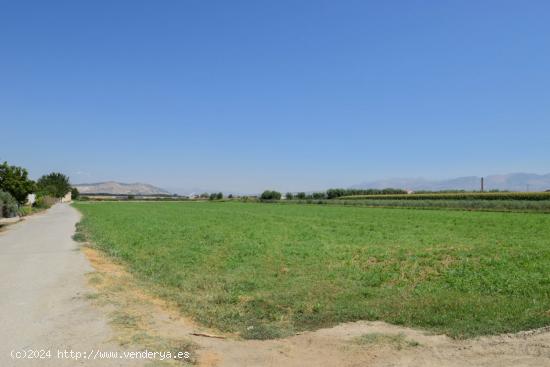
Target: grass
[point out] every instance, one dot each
(132, 312)
(268, 271)
(397, 341)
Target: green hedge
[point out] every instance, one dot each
(456, 196)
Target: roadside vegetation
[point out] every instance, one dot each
(8, 205)
(267, 271)
(16, 186)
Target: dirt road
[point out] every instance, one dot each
(42, 294)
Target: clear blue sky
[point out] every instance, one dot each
(290, 95)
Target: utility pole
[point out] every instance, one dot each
(482, 184)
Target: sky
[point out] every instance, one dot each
(244, 96)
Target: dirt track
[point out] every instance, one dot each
(42, 304)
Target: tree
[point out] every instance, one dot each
(301, 195)
(270, 195)
(74, 193)
(219, 196)
(318, 195)
(54, 184)
(289, 196)
(230, 196)
(335, 193)
(15, 181)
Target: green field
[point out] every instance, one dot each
(521, 206)
(269, 270)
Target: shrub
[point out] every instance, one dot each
(25, 210)
(8, 205)
(45, 202)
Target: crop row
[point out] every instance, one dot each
(540, 206)
(531, 196)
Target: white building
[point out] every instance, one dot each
(31, 199)
(67, 198)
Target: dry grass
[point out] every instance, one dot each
(132, 311)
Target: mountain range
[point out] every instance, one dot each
(511, 182)
(119, 188)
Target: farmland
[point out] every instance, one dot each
(269, 270)
(534, 196)
(522, 206)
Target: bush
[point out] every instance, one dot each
(25, 210)
(8, 205)
(268, 195)
(45, 202)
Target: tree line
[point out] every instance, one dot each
(272, 195)
(269, 195)
(336, 193)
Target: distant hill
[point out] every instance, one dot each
(119, 188)
(511, 181)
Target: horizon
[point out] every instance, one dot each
(374, 184)
(247, 96)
